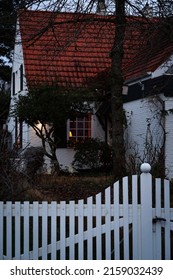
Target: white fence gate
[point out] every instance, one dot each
(135, 221)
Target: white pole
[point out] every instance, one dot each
(146, 212)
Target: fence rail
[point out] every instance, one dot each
(134, 222)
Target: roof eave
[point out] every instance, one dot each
(135, 79)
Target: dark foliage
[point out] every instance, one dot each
(93, 154)
(4, 107)
(34, 159)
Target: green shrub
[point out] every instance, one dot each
(93, 154)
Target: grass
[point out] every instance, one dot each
(61, 187)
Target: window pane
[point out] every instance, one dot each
(73, 133)
(86, 133)
(80, 133)
(80, 128)
(86, 124)
(86, 119)
(72, 124)
(80, 125)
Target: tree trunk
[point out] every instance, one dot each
(118, 148)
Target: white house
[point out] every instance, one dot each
(73, 50)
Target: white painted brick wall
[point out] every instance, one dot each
(169, 138)
(96, 129)
(142, 114)
(17, 61)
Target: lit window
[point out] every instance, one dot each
(79, 129)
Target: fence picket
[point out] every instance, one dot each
(80, 230)
(107, 222)
(157, 226)
(26, 230)
(89, 228)
(98, 227)
(35, 232)
(53, 230)
(1, 230)
(72, 231)
(126, 218)
(44, 230)
(62, 230)
(9, 231)
(17, 231)
(135, 220)
(116, 221)
(167, 217)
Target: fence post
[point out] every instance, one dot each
(146, 212)
(1, 229)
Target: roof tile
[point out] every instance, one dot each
(71, 49)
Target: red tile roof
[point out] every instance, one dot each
(155, 52)
(71, 49)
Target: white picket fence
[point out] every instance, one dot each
(135, 221)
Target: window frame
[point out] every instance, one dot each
(79, 129)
